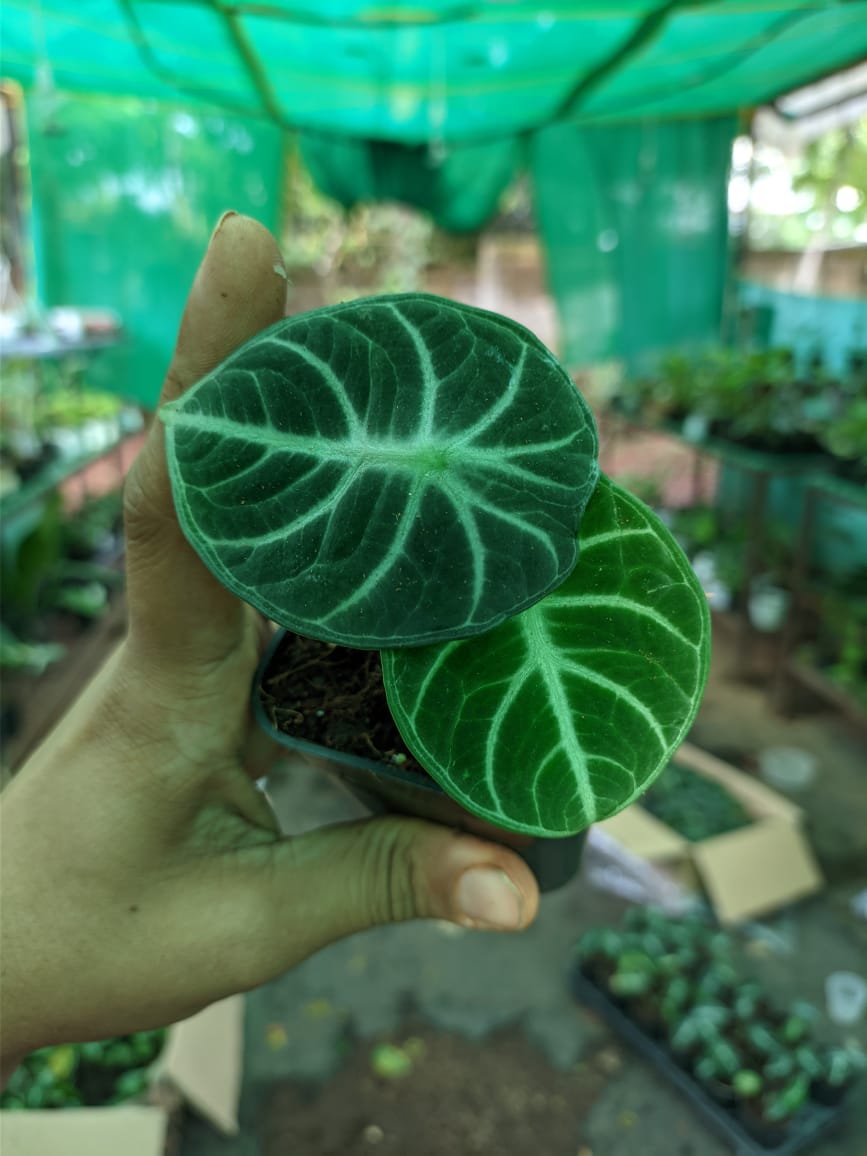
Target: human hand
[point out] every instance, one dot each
(144, 875)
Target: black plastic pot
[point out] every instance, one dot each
(767, 1133)
(388, 789)
(721, 1092)
(828, 1094)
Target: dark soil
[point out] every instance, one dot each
(459, 1097)
(333, 696)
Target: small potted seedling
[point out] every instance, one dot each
(676, 999)
(840, 1067)
(479, 628)
(780, 1068)
(697, 1031)
(749, 1002)
(46, 1079)
(763, 1040)
(716, 1071)
(748, 1085)
(767, 1117)
(598, 952)
(809, 1061)
(632, 986)
(797, 1023)
(648, 918)
(716, 983)
(90, 1075)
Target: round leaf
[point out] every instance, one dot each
(566, 713)
(388, 472)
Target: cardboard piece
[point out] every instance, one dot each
(202, 1060)
(756, 869)
(745, 873)
(134, 1131)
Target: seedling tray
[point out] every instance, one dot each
(811, 1122)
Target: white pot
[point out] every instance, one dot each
(768, 607)
(98, 434)
(67, 440)
(719, 596)
(787, 768)
(695, 427)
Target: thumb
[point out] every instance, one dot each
(175, 603)
(338, 880)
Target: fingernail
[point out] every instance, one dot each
(221, 222)
(487, 897)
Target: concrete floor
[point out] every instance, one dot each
(472, 984)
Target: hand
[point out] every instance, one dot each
(143, 874)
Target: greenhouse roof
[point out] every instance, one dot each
(434, 69)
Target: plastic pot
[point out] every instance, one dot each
(388, 789)
(828, 1094)
(768, 1133)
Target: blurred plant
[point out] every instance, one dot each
(647, 487)
(763, 1040)
(846, 435)
(70, 406)
(722, 1061)
(781, 1106)
(748, 1000)
(814, 210)
(797, 1025)
(635, 975)
(34, 657)
(89, 600)
(381, 248)
(695, 807)
(756, 397)
(84, 1075)
(842, 1064)
(748, 1084)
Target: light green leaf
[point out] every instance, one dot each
(566, 713)
(392, 471)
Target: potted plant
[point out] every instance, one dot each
(763, 1040)
(716, 1071)
(410, 487)
(85, 1075)
(797, 1023)
(840, 1067)
(697, 1032)
(766, 1117)
(598, 952)
(676, 999)
(749, 1003)
(632, 986)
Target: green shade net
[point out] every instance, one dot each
(634, 223)
(435, 69)
(427, 101)
(124, 200)
(459, 185)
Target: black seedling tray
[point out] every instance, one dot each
(811, 1122)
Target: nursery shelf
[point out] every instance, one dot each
(811, 1123)
(54, 475)
(42, 700)
(47, 347)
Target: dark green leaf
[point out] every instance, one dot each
(389, 472)
(566, 713)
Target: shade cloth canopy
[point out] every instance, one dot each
(424, 70)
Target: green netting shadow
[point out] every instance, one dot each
(459, 185)
(125, 196)
(633, 219)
